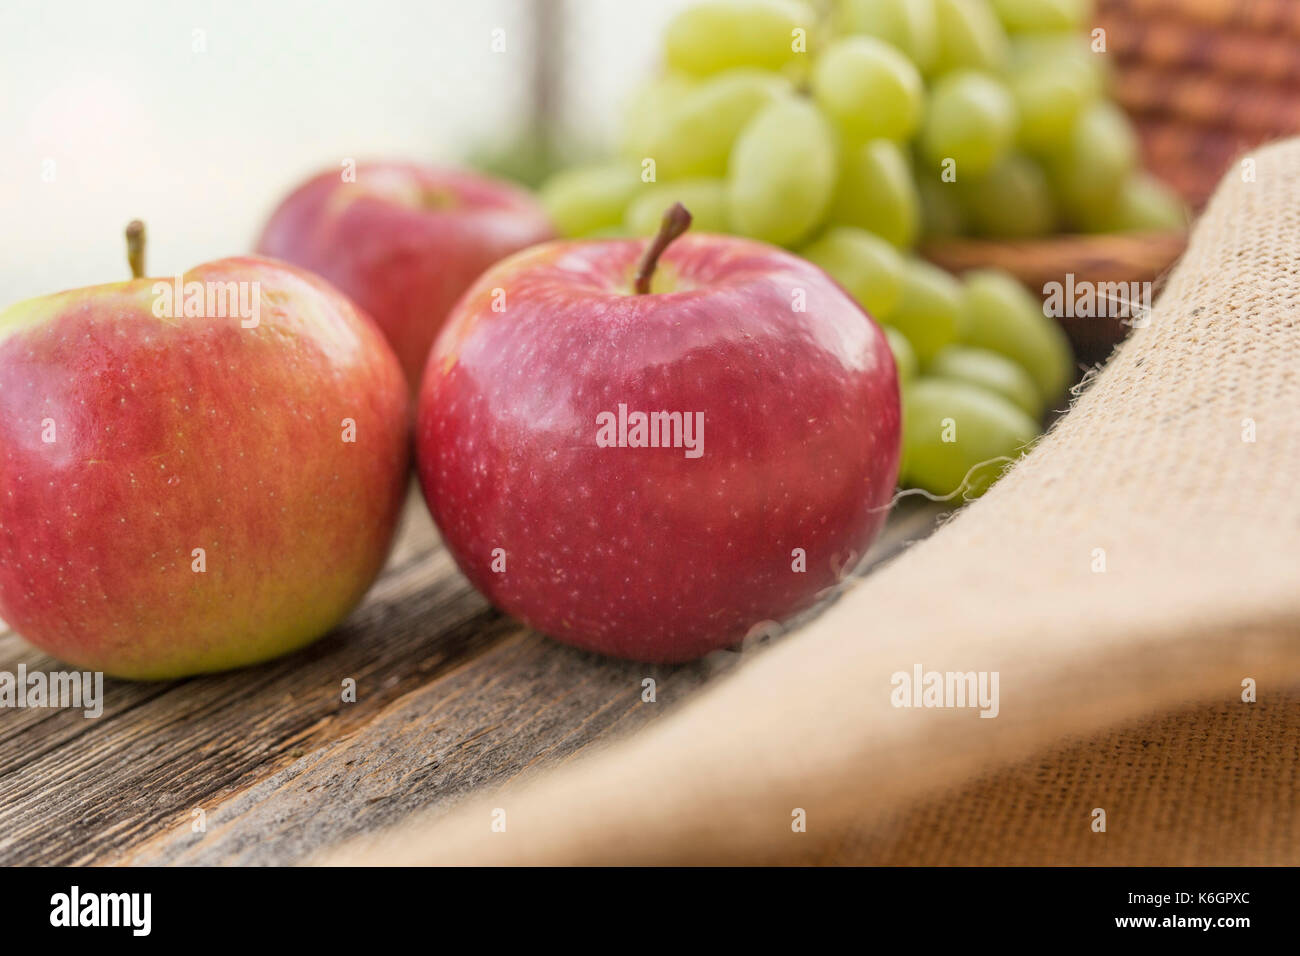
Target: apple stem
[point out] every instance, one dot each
(675, 222)
(135, 248)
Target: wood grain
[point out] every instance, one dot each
(453, 699)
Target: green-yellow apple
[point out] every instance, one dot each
(196, 472)
(652, 462)
(403, 241)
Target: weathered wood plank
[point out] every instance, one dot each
(523, 704)
(452, 699)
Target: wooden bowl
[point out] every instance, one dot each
(1127, 258)
(1204, 82)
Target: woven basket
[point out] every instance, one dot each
(1204, 81)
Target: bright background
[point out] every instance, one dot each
(200, 134)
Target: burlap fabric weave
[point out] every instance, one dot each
(1120, 689)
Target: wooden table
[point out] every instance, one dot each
(268, 764)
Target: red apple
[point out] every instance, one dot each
(178, 492)
(403, 241)
(532, 459)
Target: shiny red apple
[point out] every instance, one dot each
(196, 472)
(651, 467)
(403, 241)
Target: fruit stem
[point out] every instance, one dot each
(135, 248)
(675, 222)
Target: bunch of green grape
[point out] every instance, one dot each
(846, 131)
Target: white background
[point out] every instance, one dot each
(202, 144)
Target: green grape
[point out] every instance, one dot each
(1001, 315)
(970, 37)
(608, 232)
(1143, 204)
(782, 173)
(1061, 52)
(1042, 16)
(719, 35)
(908, 25)
(989, 370)
(942, 215)
(706, 199)
(953, 427)
(971, 119)
(695, 137)
(869, 268)
(876, 192)
(1011, 201)
(1100, 152)
(929, 310)
(1049, 99)
(587, 199)
(869, 89)
(904, 355)
(649, 106)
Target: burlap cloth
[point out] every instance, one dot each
(1120, 689)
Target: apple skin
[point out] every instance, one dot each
(643, 553)
(404, 241)
(176, 434)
